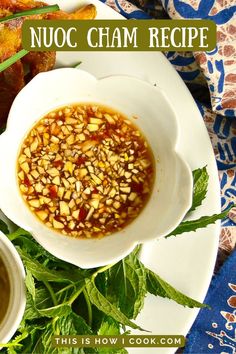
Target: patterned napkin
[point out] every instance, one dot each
(211, 78)
(214, 330)
(219, 65)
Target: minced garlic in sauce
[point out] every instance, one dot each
(85, 170)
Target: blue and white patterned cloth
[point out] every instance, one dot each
(214, 330)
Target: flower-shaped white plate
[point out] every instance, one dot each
(143, 103)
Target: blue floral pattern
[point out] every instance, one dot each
(219, 65)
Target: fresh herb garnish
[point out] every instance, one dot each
(193, 225)
(200, 184)
(159, 287)
(63, 299)
(77, 65)
(4, 227)
(13, 59)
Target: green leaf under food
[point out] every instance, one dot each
(112, 351)
(90, 351)
(58, 310)
(16, 342)
(18, 233)
(30, 311)
(68, 324)
(46, 339)
(30, 284)
(106, 306)
(11, 350)
(126, 285)
(42, 273)
(66, 293)
(109, 327)
(4, 227)
(42, 301)
(159, 287)
(73, 324)
(111, 296)
(200, 185)
(193, 225)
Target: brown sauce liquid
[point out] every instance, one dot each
(106, 153)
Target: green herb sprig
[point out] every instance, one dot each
(63, 299)
(34, 11)
(13, 59)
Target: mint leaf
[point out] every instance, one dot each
(106, 306)
(37, 347)
(126, 285)
(16, 342)
(136, 251)
(46, 340)
(200, 184)
(42, 300)
(30, 284)
(193, 225)
(17, 234)
(30, 311)
(11, 350)
(73, 324)
(42, 273)
(159, 287)
(55, 289)
(109, 327)
(112, 351)
(58, 310)
(70, 324)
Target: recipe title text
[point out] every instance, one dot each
(122, 35)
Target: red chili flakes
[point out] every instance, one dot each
(53, 192)
(26, 181)
(82, 214)
(80, 161)
(58, 163)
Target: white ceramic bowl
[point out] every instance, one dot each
(172, 192)
(17, 301)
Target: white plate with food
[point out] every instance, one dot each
(186, 261)
(87, 175)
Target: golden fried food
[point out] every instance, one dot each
(13, 79)
(10, 42)
(87, 12)
(11, 82)
(38, 62)
(20, 5)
